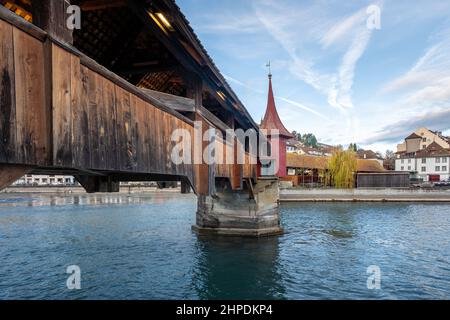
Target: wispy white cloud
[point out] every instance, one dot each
(341, 95)
(288, 101)
(427, 83)
(338, 86)
(339, 32)
(229, 23)
(395, 132)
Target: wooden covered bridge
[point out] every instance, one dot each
(101, 103)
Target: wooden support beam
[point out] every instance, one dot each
(93, 184)
(237, 170)
(205, 171)
(185, 186)
(10, 173)
(195, 89)
(51, 16)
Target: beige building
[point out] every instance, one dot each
(421, 139)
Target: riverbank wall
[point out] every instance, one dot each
(364, 195)
(286, 195)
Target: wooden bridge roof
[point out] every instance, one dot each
(125, 37)
(131, 39)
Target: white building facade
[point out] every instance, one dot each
(429, 169)
(45, 180)
(426, 155)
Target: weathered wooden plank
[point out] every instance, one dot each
(83, 137)
(147, 109)
(124, 135)
(109, 101)
(7, 95)
(62, 107)
(77, 112)
(202, 170)
(143, 161)
(150, 140)
(158, 140)
(134, 131)
(32, 133)
(167, 164)
(102, 125)
(94, 102)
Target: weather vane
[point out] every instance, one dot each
(268, 65)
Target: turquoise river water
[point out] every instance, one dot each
(142, 247)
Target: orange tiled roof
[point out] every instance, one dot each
(321, 163)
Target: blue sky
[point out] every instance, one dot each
(333, 76)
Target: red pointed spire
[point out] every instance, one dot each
(272, 119)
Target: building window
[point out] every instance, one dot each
(403, 161)
(409, 168)
(444, 160)
(424, 139)
(424, 147)
(438, 160)
(402, 168)
(424, 160)
(438, 169)
(409, 160)
(424, 169)
(444, 168)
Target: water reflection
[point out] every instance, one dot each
(36, 200)
(236, 268)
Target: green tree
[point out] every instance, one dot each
(353, 147)
(297, 135)
(310, 140)
(342, 167)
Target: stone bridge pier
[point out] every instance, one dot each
(252, 211)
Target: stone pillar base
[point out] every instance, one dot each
(253, 211)
(256, 233)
